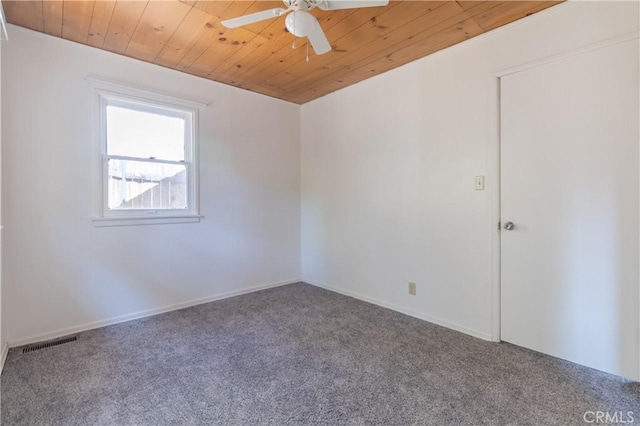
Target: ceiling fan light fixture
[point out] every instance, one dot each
(300, 23)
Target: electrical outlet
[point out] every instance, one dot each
(412, 289)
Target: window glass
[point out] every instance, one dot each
(140, 134)
(146, 185)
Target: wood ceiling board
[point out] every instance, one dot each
(26, 14)
(124, 21)
(261, 29)
(224, 43)
(362, 42)
(213, 8)
(156, 26)
(285, 55)
(100, 20)
(188, 36)
(212, 34)
(280, 40)
(52, 16)
(221, 48)
(294, 65)
(423, 44)
(509, 12)
(76, 20)
(277, 37)
(471, 4)
(192, 28)
(374, 30)
(219, 55)
(454, 34)
(249, 53)
(342, 64)
(445, 17)
(258, 6)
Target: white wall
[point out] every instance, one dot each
(388, 170)
(3, 323)
(61, 272)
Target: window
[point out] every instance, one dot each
(147, 157)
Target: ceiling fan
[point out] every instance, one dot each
(301, 23)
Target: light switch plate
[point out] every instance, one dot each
(479, 183)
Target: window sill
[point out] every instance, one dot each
(135, 221)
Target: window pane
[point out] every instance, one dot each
(147, 186)
(134, 133)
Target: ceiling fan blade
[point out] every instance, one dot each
(318, 40)
(350, 4)
(254, 17)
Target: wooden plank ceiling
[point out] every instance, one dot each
(187, 35)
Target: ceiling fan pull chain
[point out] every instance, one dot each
(294, 46)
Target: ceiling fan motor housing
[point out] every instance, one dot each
(304, 5)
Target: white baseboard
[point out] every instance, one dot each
(428, 318)
(142, 314)
(5, 352)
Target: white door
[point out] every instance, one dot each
(570, 186)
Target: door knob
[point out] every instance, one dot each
(509, 226)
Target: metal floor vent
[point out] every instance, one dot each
(49, 344)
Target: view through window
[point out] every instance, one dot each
(147, 167)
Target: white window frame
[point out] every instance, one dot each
(106, 94)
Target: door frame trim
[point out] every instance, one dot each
(496, 167)
(633, 35)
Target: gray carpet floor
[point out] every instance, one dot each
(298, 355)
